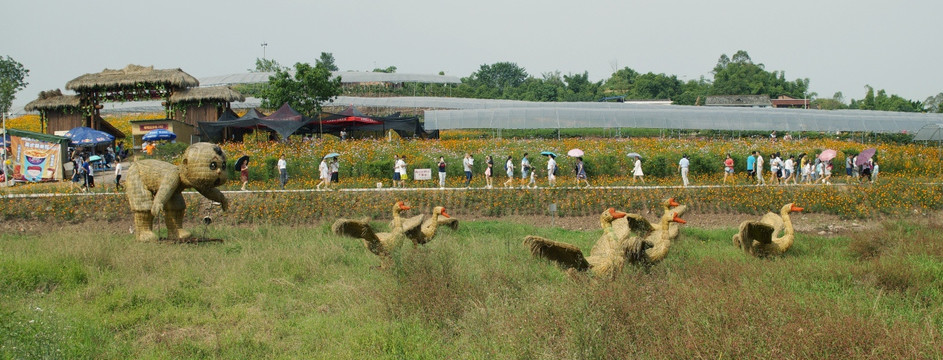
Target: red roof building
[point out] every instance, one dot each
(784, 101)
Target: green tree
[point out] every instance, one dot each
(493, 81)
(305, 92)
(693, 92)
(621, 81)
(388, 69)
(740, 76)
(934, 103)
(327, 59)
(837, 102)
(12, 79)
(266, 65)
(655, 86)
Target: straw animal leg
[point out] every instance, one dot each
(143, 225)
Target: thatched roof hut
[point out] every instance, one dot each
(52, 99)
(132, 75)
(207, 94)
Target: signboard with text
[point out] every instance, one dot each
(422, 174)
(34, 160)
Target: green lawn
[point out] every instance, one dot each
(301, 292)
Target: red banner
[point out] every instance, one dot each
(150, 127)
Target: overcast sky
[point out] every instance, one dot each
(838, 45)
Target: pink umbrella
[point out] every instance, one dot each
(827, 155)
(865, 155)
(575, 152)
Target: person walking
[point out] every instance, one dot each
(441, 172)
(324, 173)
(874, 170)
(396, 175)
(551, 171)
(525, 170)
(789, 171)
(118, 171)
(637, 171)
(849, 166)
(489, 171)
(244, 174)
(509, 169)
(728, 167)
(581, 172)
(751, 166)
(775, 166)
(759, 169)
(401, 168)
(335, 166)
(282, 167)
(684, 164)
(467, 164)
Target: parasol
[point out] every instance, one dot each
(632, 155)
(828, 155)
(548, 153)
(575, 152)
(865, 154)
(244, 158)
(333, 154)
(159, 134)
(86, 136)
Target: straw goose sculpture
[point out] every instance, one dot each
(381, 244)
(642, 227)
(654, 247)
(422, 229)
(605, 260)
(760, 238)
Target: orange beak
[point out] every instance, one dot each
(443, 213)
(402, 206)
(616, 214)
(794, 208)
(672, 202)
(678, 220)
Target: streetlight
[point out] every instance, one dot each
(263, 44)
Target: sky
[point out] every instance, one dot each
(839, 45)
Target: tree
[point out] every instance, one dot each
(655, 86)
(621, 81)
(304, 92)
(327, 59)
(493, 81)
(693, 92)
(12, 79)
(740, 76)
(934, 103)
(266, 65)
(388, 69)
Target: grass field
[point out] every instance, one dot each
(301, 292)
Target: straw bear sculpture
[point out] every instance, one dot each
(155, 185)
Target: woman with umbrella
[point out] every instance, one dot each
(324, 173)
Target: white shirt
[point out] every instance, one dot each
(684, 163)
(467, 163)
(509, 165)
(282, 164)
(400, 166)
(790, 165)
(118, 169)
(335, 166)
(323, 169)
(551, 164)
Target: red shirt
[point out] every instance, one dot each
(728, 162)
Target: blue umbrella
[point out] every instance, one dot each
(331, 155)
(159, 134)
(548, 153)
(86, 136)
(4, 140)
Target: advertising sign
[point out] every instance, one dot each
(34, 160)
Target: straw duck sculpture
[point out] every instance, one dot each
(760, 238)
(381, 244)
(421, 229)
(641, 226)
(654, 247)
(605, 260)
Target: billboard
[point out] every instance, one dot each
(34, 160)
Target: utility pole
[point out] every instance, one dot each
(263, 44)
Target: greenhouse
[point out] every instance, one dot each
(562, 116)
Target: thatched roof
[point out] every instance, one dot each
(132, 75)
(52, 99)
(738, 100)
(215, 93)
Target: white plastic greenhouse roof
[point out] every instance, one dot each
(930, 132)
(347, 77)
(680, 117)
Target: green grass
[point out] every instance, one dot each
(301, 292)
